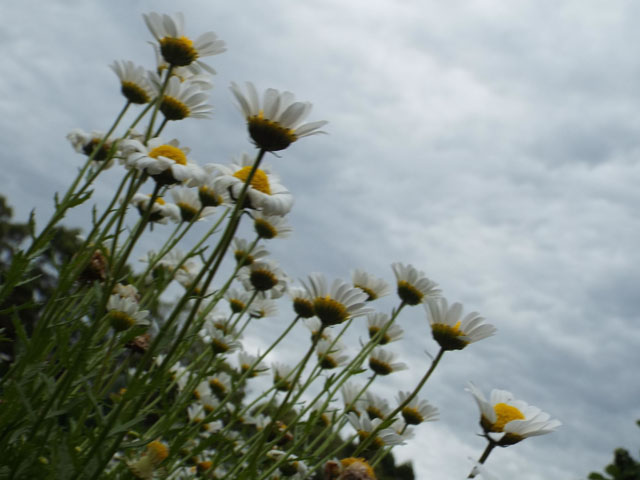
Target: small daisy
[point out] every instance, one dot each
(263, 308)
(265, 192)
(242, 253)
(513, 420)
(124, 313)
(336, 304)
(238, 299)
(176, 48)
(377, 321)
(291, 466)
(218, 340)
(276, 122)
(161, 210)
(417, 411)
(86, 143)
(126, 291)
(220, 384)
(413, 287)
(134, 82)
(249, 363)
(315, 327)
(181, 100)
(364, 427)
(210, 195)
(350, 392)
(282, 377)
(166, 162)
(302, 302)
(330, 354)
(382, 362)
(450, 330)
(376, 406)
(271, 226)
(264, 276)
(372, 286)
(189, 205)
(349, 469)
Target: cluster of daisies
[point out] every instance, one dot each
(226, 434)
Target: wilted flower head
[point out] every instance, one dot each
(276, 122)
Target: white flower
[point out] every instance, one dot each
(125, 313)
(275, 122)
(238, 299)
(302, 302)
(220, 383)
(265, 192)
(264, 276)
(336, 304)
(282, 376)
(181, 100)
(450, 330)
(134, 82)
(417, 411)
(271, 226)
(330, 354)
(189, 205)
(377, 321)
(263, 308)
(249, 363)
(513, 420)
(382, 362)
(218, 340)
(160, 211)
(86, 143)
(176, 48)
(376, 406)
(372, 286)
(166, 162)
(352, 397)
(243, 252)
(413, 286)
(364, 427)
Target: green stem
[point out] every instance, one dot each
(490, 446)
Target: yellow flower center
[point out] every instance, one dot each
(303, 307)
(264, 229)
(359, 466)
(178, 51)
(263, 279)
(120, 321)
(236, 305)
(412, 416)
(449, 336)
(409, 294)
(269, 135)
(219, 346)
(218, 387)
(373, 331)
(208, 197)
(259, 182)
(371, 294)
(174, 109)
(380, 367)
(157, 452)
(504, 414)
(330, 311)
(187, 211)
(134, 93)
(171, 152)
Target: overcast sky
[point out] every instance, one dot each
(492, 144)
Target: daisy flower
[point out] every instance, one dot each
(376, 406)
(166, 162)
(302, 302)
(264, 276)
(161, 211)
(282, 377)
(265, 192)
(413, 286)
(210, 195)
(352, 397)
(249, 363)
(417, 411)
(144, 467)
(382, 362)
(372, 286)
(176, 48)
(291, 466)
(263, 308)
(238, 299)
(181, 100)
(218, 340)
(220, 384)
(514, 420)
(364, 427)
(124, 313)
(133, 81)
(189, 205)
(349, 468)
(377, 321)
(271, 226)
(276, 122)
(242, 253)
(330, 354)
(450, 330)
(336, 304)
(86, 143)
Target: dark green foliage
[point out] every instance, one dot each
(623, 467)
